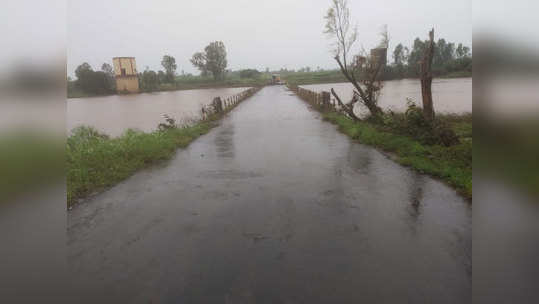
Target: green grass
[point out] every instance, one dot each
(96, 161)
(451, 164)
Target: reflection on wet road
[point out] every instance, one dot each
(273, 206)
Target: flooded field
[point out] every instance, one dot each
(450, 95)
(114, 114)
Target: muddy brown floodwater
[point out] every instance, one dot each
(273, 206)
(117, 113)
(450, 95)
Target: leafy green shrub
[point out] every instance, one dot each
(413, 123)
(451, 163)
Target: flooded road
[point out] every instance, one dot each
(450, 95)
(116, 113)
(273, 206)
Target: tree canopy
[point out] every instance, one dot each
(362, 70)
(148, 81)
(446, 59)
(169, 63)
(212, 60)
(109, 75)
(94, 82)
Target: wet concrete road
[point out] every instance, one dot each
(273, 206)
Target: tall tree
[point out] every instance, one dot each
(462, 51)
(363, 70)
(216, 59)
(169, 63)
(438, 56)
(199, 61)
(398, 55)
(90, 81)
(426, 78)
(148, 81)
(416, 54)
(107, 68)
(109, 76)
(448, 53)
(161, 76)
(406, 54)
(82, 70)
(212, 60)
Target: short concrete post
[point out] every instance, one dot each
(326, 99)
(217, 105)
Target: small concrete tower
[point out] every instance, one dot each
(125, 72)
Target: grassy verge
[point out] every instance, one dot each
(95, 161)
(451, 164)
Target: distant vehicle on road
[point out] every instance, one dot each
(276, 79)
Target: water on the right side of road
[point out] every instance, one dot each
(452, 95)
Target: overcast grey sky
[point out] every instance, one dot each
(256, 33)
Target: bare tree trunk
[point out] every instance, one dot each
(348, 109)
(326, 96)
(426, 79)
(366, 96)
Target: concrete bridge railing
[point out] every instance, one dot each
(220, 106)
(321, 101)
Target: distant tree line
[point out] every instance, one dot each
(250, 73)
(447, 58)
(91, 82)
(150, 81)
(212, 61)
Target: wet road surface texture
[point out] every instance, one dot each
(273, 206)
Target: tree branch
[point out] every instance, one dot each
(348, 109)
(350, 79)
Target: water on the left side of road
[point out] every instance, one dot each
(117, 113)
